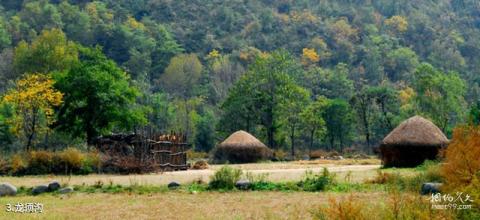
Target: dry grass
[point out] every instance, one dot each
(175, 205)
(277, 172)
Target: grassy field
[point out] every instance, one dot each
(277, 172)
(178, 205)
(149, 198)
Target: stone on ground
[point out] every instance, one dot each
(7, 189)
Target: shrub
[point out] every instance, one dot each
(71, 160)
(39, 162)
(91, 163)
(318, 154)
(18, 164)
(200, 165)
(5, 167)
(317, 182)
(225, 178)
(461, 169)
(346, 208)
(280, 155)
(462, 164)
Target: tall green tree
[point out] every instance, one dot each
(312, 119)
(440, 96)
(291, 108)
(261, 91)
(339, 122)
(97, 97)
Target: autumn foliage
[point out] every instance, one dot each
(33, 99)
(462, 163)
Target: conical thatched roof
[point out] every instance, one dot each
(416, 131)
(241, 139)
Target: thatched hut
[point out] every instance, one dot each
(241, 147)
(411, 143)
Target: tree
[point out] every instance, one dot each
(397, 23)
(181, 75)
(291, 108)
(312, 120)
(439, 96)
(205, 135)
(401, 63)
(376, 108)
(5, 39)
(338, 119)
(261, 91)
(33, 99)
(51, 51)
(98, 97)
(474, 114)
(363, 104)
(180, 78)
(331, 83)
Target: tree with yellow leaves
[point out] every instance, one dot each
(309, 56)
(33, 99)
(398, 23)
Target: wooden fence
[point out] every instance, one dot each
(165, 152)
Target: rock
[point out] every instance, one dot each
(7, 189)
(53, 186)
(173, 185)
(39, 189)
(243, 184)
(430, 188)
(65, 190)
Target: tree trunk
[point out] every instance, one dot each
(32, 133)
(312, 132)
(292, 139)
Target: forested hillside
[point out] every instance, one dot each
(309, 74)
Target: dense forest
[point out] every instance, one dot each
(304, 74)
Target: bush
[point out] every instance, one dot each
(461, 169)
(317, 182)
(39, 162)
(318, 154)
(4, 167)
(280, 155)
(68, 161)
(225, 178)
(241, 154)
(18, 164)
(91, 163)
(462, 164)
(200, 165)
(347, 208)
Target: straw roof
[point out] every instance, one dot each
(241, 139)
(416, 131)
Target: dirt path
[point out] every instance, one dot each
(356, 173)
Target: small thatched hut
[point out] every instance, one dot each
(242, 147)
(411, 143)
